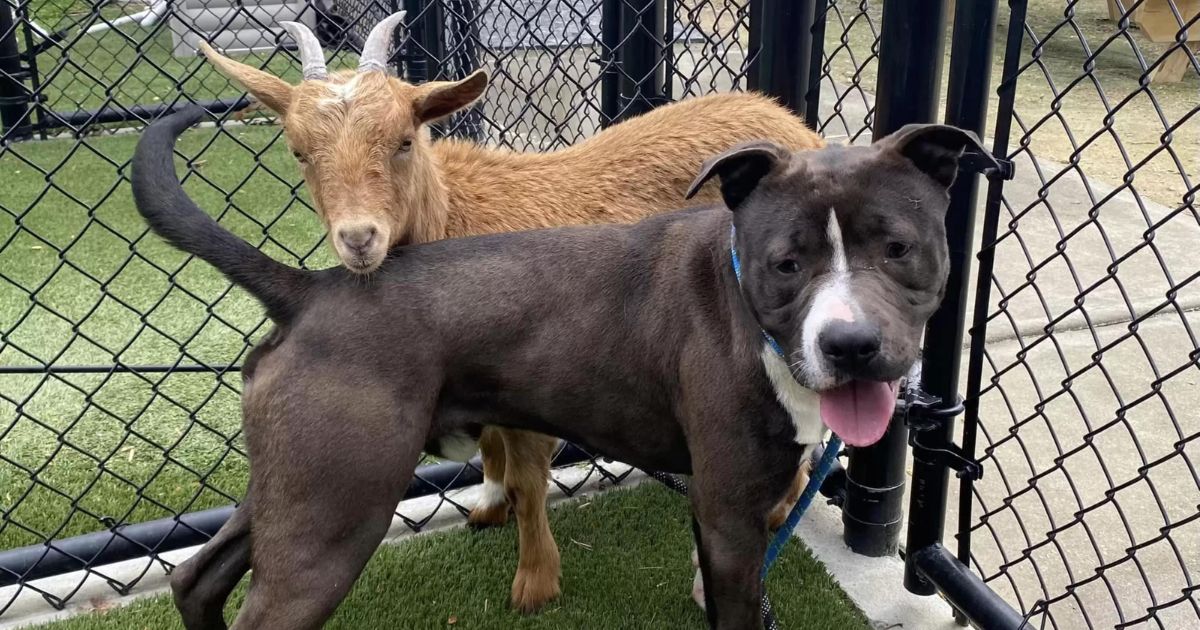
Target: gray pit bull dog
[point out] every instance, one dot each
(639, 342)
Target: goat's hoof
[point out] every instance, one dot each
(534, 588)
(488, 516)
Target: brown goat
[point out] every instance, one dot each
(379, 181)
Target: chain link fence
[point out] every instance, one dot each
(119, 358)
(1088, 514)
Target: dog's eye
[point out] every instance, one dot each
(405, 146)
(896, 250)
(788, 266)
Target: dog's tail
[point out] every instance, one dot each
(172, 215)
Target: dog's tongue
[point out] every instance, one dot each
(859, 411)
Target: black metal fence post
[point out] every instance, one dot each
(782, 61)
(424, 48)
(14, 98)
(929, 567)
(812, 107)
(641, 56)
(463, 50)
(966, 107)
(910, 64)
(610, 74)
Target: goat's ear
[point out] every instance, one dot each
(740, 169)
(935, 149)
(267, 88)
(438, 99)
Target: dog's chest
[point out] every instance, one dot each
(802, 404)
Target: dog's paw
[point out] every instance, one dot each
(482, 516)
(534, 588)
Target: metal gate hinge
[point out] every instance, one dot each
(925, 417)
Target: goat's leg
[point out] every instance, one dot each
(202, 583)
(492, 507)
(781, 510)
(526, 475)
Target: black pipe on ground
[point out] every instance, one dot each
(966, 591)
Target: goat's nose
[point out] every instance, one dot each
(849, 345)
(357, 238)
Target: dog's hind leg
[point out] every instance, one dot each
(492, 507)
(526, 476)
(202, 584)
(326, 480)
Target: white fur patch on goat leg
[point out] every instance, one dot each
(492, 494)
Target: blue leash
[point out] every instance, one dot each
(828, 458)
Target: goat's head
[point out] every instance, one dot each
(362, 142)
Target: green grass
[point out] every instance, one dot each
(634, 572)
(72, 294)
(135, 65)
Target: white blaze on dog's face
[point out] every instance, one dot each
(833, 301)
(844, 259)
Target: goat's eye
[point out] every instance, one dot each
(896, 250)
(788, 266)
(299, 157)
(405, 146)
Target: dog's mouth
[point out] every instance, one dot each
(859, 411)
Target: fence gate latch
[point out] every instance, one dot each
(986, 165)
(926, 419)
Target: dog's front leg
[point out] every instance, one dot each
(732, 541)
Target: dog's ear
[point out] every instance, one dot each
(740, 169)
(935, 149)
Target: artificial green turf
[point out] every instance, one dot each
(135, 65)
(626, 564)
(77, 447)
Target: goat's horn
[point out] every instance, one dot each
(379, 42)
(311, 55)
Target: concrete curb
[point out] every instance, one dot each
(874, 584)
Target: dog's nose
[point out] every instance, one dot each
(358, 238)
(849, 345)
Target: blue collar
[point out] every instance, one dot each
(737, 272)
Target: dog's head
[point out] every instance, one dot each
(844, 259)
